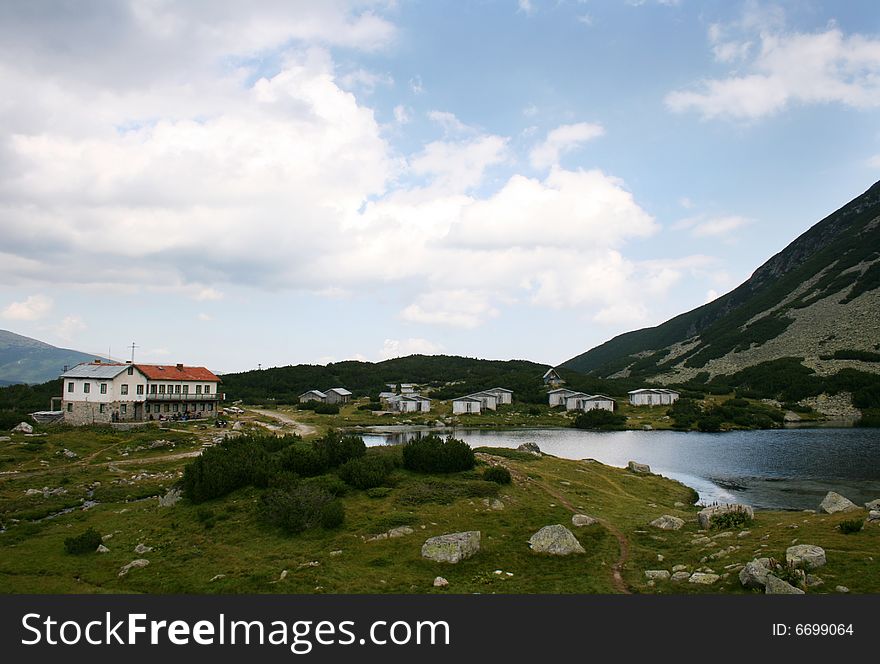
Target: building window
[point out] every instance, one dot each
(70, 408)
(167, 407)
(147, 408)
(176, 407)
(152, 389)
(87, 387)
(198, 389)
(123, 408)
(177, 389)
(186, 389)
(102, 407)
(140, 389)
(161, 389)
(103, 388)
(123, 389)
(70, 387)
(131, 371)
(207, 389)
(202, 406)
(210, 406)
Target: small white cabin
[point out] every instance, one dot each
(586, 402)
(489, 400)
(337, 395)
(558, 396)
(409, 403)
(312, 395)
(553, 379)
(466, 406)
(503, 395)
(653, 397)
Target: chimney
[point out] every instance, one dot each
(180, 367)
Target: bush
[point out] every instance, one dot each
(85, 542)
(334, 449)
(296, 509)
(327, 409)
(303, 460)
(732, 519)
(367, 472)
(379, 492)
(445, 491)
(599, 419)
(231, 465)
(851, 526)
(709, 423)
(497, 474)
(332, 515)
(329, 483)
(432, 454)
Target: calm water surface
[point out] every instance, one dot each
(778, 469)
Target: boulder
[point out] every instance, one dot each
(557, 540)
(873, 506)
(682, 575)
(667, 522)
(806, 556)
(707, 514)
(237, 426)
(679, 568)
(531, 448)
(581, 520)
(102, 549)
(873, 516)
(440, 582)
(134, 564)
(834, 503)
(754, 575)
(142, 549)
(657, 574)
(642, 468)
(493, 504)
(400, 531)
(703, 578)
(171, 498)
(23, 427)
(451, 547)
(5, 439)
(841, 589)
(777, 586)
(791, 416)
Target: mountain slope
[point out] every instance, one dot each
(26, 360)
(818, 299)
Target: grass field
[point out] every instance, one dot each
(221, 546)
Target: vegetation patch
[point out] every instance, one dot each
(433, 454)
(85, 542)
(600, 420)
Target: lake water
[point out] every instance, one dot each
(774, 469)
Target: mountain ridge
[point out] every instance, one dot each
(27, 360)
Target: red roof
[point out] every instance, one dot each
(176, 372)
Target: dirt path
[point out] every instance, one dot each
(298, 427)
(622, 543)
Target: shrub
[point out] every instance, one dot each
(85, 542)
(334, 449)
(732, 519)
(445, 491)
(603, 420)
(379, 492)
(327, 409)
(296, 509)
(332, 484)
(332, 514)
(303, 460)
(851, 526)
(432, 454)
(365, 472)
(497, 474)
(709, 423)
(233, 464)
(507, 453)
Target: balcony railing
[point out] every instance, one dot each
(175, 396)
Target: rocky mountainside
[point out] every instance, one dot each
(817, 300)
(26, 360)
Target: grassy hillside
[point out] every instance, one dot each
(26, 360)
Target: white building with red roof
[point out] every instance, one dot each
(104, 392)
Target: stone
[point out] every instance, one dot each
(679, 568)
(33, 492)
(440, 582)
(70, 454)
(834, 503)
(743, 533)
(873, 516)
(217, 577)
(707, 514)
(641, 468)
(400, 531)
(337, 552)
(237, 426)
(873, 505)
(171, 498)
(531, 448)
(5, 439)
(678, 504)
(452, 547)
(581, 520)
(703, 578)
(777, 586)
(557, 540)
(493, 504)
(791, 416)
(813, 580)
(134, 564)
(754, 575)
(807, 556)
(667, 522)
(841, 589)
(647, 427)
(142, 548)
(102, 549)
(678, 577)
(23, 427)
(657, 574)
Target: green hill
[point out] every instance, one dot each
(26, 360)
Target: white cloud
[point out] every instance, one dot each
(400, 348)
(783, 69)
(463, 307)
(402, 114)
(365, 80)
(712, 226)
(33, 307)
(561, 140)
(458, 166)
(205, 317)
(711, 295)
(70, 327)
(449, 122)
(525, 6)
(416, 86)
(209, 294)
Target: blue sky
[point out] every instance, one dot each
(270, 183)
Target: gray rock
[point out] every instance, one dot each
(142, 549)
(581, 520)
(813, 580)
(754, 575)
(841, 589)
(657, 574)
(531, 448)
(703, 578)
(678, 577)
(777, 586)
(23, 427)
(647, 427)
(707, 514)
(134, 564)
(557, 540)
(336, 552)
(873, 506)
(400, 531)
(641, 468)
(237, 426)
(678, 503)
(667, 522)
(5, 439)
(70, 454)
(873, 516)
(679, 568)
(807, 556)
(102, 549)
(791, 416)
(171, 498)
(834, 503)
(493, 504)
(440, 582)
(452, 547)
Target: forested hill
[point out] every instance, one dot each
(817, 300)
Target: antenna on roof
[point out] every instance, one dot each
(259, 367)
(133, 346)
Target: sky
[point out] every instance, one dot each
(274, 182)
